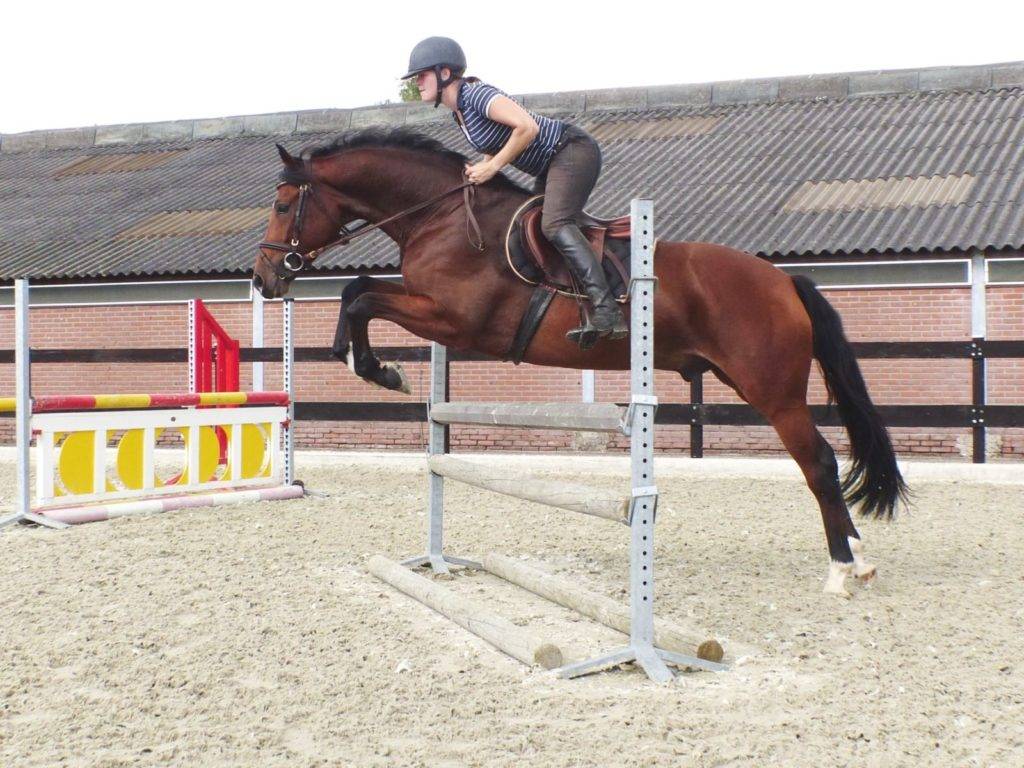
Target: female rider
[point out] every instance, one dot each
(564, 158)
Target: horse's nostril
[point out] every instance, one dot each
(257, 282)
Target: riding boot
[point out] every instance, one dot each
(605, 321)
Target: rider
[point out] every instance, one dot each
(564, 158)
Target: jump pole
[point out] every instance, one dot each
(519, 643)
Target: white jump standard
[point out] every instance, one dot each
(23, 416)
(232, 440)
(636, 509)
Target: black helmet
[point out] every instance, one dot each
(436, 52)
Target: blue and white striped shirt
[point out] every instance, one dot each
(489, 136)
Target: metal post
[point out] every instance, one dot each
(23, 413)
(696, 425)
(288, 345)
(644, 403)
(978, 401)
(588, 382)
(644, 502)
(439, 443)
(979, 280)
(978, 332)
(439, 437)
(257, 338)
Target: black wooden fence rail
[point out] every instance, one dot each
(976, 416)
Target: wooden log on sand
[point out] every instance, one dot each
(508, 638)
(671, 637)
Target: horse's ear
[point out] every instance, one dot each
(285, 157)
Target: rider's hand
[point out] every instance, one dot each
(480, 173)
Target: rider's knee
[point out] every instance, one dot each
(550, 225)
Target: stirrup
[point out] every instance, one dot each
(615, 334)
(585, 336)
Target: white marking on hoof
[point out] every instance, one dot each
(350, 359)
(837, 573)
(405, 387)
(862, 569)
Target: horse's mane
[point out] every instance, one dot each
(377, 136)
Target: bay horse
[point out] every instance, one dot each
(718, 309)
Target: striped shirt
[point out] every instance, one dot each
(489, 137)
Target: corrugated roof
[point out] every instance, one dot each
(783, 168)
(121, 162)
(897, 192)
(656, 128)
(184, 223)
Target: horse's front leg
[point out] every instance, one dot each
(342, 348)
(419, 315)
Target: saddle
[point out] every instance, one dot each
(535, 261)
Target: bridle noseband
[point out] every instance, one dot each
(295, 261)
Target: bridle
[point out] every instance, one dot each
(295, 260)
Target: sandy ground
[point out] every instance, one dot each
(253, 636)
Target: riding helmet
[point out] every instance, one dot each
(436, 52)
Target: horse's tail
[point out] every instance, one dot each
(873, 480)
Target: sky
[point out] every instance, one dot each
(103, 62)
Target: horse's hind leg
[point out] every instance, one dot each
(818, 463)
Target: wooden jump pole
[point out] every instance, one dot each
(611, 613)
(519, 643)
(555, 493)
(579, 417)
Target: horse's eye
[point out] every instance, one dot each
(282, 207)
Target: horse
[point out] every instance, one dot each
(721, 310)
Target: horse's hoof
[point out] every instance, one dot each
(841, 592)
(837, 573)
(864, 572)
(395, 378)
(862, 569)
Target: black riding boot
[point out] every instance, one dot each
(605, 321)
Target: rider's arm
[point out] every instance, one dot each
(524, 129)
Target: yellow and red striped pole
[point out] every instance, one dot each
(126, 402)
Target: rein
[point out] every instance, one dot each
(295, 261)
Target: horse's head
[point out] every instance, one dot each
(303, 220)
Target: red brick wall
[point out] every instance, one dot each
(891, 315)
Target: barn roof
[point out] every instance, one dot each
(860, 163)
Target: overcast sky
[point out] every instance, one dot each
(101, 62)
